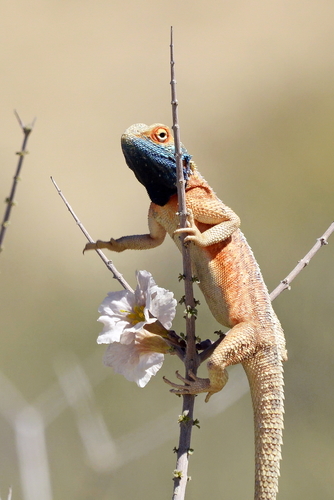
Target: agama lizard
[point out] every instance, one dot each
(230, 280)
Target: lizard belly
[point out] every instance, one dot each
(229, 278)
(204, 269)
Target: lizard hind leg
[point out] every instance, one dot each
(236, 346)
(218, 378)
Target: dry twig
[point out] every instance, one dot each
(26, 129)
(285, 284)
(118, 276)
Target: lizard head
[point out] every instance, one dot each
(149, 152)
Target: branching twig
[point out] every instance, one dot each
(26, 129)
(191, 358)
(107, 262)
(285, 284)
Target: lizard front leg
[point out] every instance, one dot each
(224, 223)
(134, 242)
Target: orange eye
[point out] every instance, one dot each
(160, 135)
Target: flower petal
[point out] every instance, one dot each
(145, 283)
(134, 365)
(114, 331)
(116, 302)
(162, 305)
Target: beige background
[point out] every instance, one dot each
(255, 85)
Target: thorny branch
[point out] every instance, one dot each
(26, 129)
(191, 360)
(285, 284)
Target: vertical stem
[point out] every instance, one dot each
(191, 357)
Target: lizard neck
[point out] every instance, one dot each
(195, 179)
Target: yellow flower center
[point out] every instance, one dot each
(136, 315)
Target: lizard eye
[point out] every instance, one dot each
(161, 135)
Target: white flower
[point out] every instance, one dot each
(134, 352)
(124, 313)
(139, 360)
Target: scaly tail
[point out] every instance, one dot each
(265, 376)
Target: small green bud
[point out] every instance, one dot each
(190, 311)
(177, 474)
(184, 417)
(196, 423)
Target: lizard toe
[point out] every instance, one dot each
(89, 246)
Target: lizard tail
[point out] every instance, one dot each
(265, 376)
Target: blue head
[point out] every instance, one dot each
(149, 152)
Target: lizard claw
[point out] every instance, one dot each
(89, 246)
(192, 231)
(193, 386)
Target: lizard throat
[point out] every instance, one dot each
(154, 166)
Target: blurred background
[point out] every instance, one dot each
(256, 93)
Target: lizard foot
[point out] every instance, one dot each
(99, 244)
(192, 231)
(194, 386)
